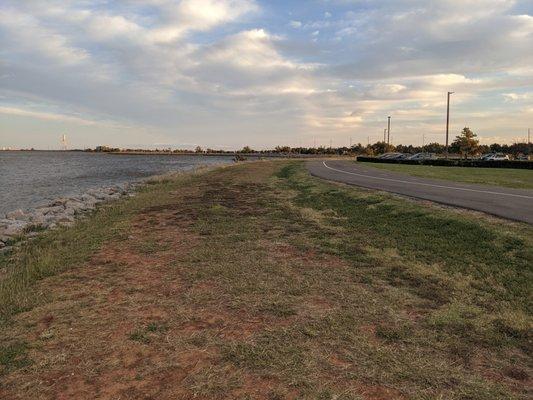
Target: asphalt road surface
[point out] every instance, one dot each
(514, 204)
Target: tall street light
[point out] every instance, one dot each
(388, 132)
(448, 121)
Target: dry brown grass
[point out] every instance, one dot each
(234, 284)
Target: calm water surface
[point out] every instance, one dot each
(28, 179)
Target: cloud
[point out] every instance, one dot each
(222, 70)
(198, 15)
(514, 97)
(48, 116)
(26, 35)
(295, 24)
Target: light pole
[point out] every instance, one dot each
(384, 135)
(388, 132)
(448, 121)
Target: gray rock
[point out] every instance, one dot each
(17, 215)
(38, 219)
(59, 201)
(65, 218)
(52, 210)
(59, 212)
(16, 228)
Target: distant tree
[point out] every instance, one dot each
(369, 151)
(466, 143)
(282, 149)
(247, 149)
(198, 149)
(382, 147)
(483, 149)
(520, 148)
(357, 148)
(434, 148)
(495, 147)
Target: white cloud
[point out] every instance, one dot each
(27, 34)
(204, 66)
(514, 97)
(198, 15)
(48, 116)
(295, 24)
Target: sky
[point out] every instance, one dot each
(229, 73)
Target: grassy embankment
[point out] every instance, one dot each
(507, 177)
(258, 281)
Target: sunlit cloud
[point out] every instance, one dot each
(238, 72)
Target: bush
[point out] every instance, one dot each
(442, 162)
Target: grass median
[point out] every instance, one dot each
(259, 281)
(506, 177)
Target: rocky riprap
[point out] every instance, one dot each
(19, 225)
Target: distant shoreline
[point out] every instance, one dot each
(166, 153)
(255, 155)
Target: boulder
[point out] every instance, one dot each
(51, 210)
(17, 215)
(65, 219)
(14, 229)
(59, 202)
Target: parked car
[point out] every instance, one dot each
(486, 155)
(399, 156)
(423, 156)
(522, 157)
(387, 156)
(497, 157)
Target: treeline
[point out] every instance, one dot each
(371, 149)
(465, 144)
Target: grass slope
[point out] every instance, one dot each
(258, 281)
(507, 177)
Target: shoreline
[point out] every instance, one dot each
(166, 153)
(20, 225)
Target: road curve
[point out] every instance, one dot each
(514, 204)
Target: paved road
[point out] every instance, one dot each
(515, 204)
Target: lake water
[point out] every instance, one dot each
(30, 178)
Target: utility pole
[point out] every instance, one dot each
(388, 132)
(384, 135)
(528, 136)
(448, 121)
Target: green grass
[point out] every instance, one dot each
(13, 356)
(506, 177)
(285, 286)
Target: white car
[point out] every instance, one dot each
(497, 157)
(423, 156)
(388, 155)
(485, 156)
